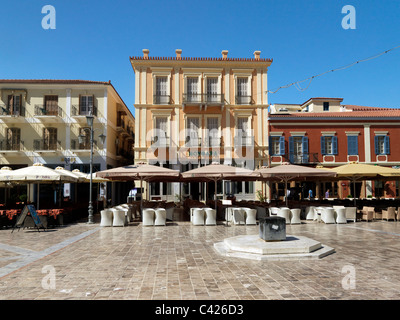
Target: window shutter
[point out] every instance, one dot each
(281, 145)
(304, 147)
(376, 145)
(323, 145)
(352, 145)
(334, 145)
(291, 149)
(387, 145)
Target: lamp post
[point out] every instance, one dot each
(89, 119)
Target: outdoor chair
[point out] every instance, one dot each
(126, 211)
(238, 216)
(273, 211)
(211, 217)
(367, 213)
(198, 217)
(398, 214)
(389, 214)
(118, 217)
(341, 215)
(310, 213)
(106, 218)
(295, 213)
(148, 216)
(284, 213)
(161, 217)
(251, 215)
(329, 215)
(351, 213)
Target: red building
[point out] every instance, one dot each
(324, 132)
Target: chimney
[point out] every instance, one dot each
(178, 54)
(146, 53)
(257, 55)
(224, 54)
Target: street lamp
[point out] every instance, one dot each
(89, 119)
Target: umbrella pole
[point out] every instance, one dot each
(215, 191)
(354, 192)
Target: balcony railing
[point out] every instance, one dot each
(45, 145)
(43, 110)
(83, 110)
(207, 98)
(301, 158)
(243, 100)
(15, 111)
(161, 99)
(7, 145)
(75, 145)
(160, 141)
(243, 141)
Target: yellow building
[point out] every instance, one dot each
(194, 111)
(41, 120)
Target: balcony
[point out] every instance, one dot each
(161, 99)
(82, 147)
(244, 100)
(40, 145)
(10, 147)
(79, 112)
(206, 99)
(296, 158)
(12, 114)
(45, 113)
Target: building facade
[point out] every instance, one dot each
(194, 111)
(324, 132)
(41, 121)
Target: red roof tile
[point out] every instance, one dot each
(386, 113)
(202, 59)
(48, 81)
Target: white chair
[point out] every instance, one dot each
(329, 215)
(211, 217)
(198, 217)
(310, 213)
(126, 211)
(295, 216)
(351, 213)
(161, 217)
(106, 218)
(284, 213)
(228, 214)
(341, 215)
(273, 211)
(318, 213)
(148, 216)
(251, 215)
(118, 217)
(238, 216)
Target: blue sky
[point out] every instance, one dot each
(93, 40)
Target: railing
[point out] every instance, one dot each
(43, 110)
(208, 98)
(76, 145)
(301, 158)
(161, 99)
(44, 145)
(161, 141)
(243, 100)
(83, 110)
(7, 145)
(12, 111)
(192, 141)
(244, 141)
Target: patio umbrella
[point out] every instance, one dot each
(215, 172)
(288, 172)
(355, 171)
(142, 172)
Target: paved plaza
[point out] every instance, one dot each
(179, 262)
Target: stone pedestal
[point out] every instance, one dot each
(273, 229)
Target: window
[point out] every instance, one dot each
(49, 138)
(352, 145)
(14, 104)
(277, 146)
(242, 91)
(328, 145)
(86, 105)
(50, 105)
(192, 131)
(162, 96)
(243, 134)
(213, 134)
(13, 139)
(298, 149)
(161, 133)
(212, 90)
(85, 145)
(192, 90)
(326, 106)
(382, 146)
